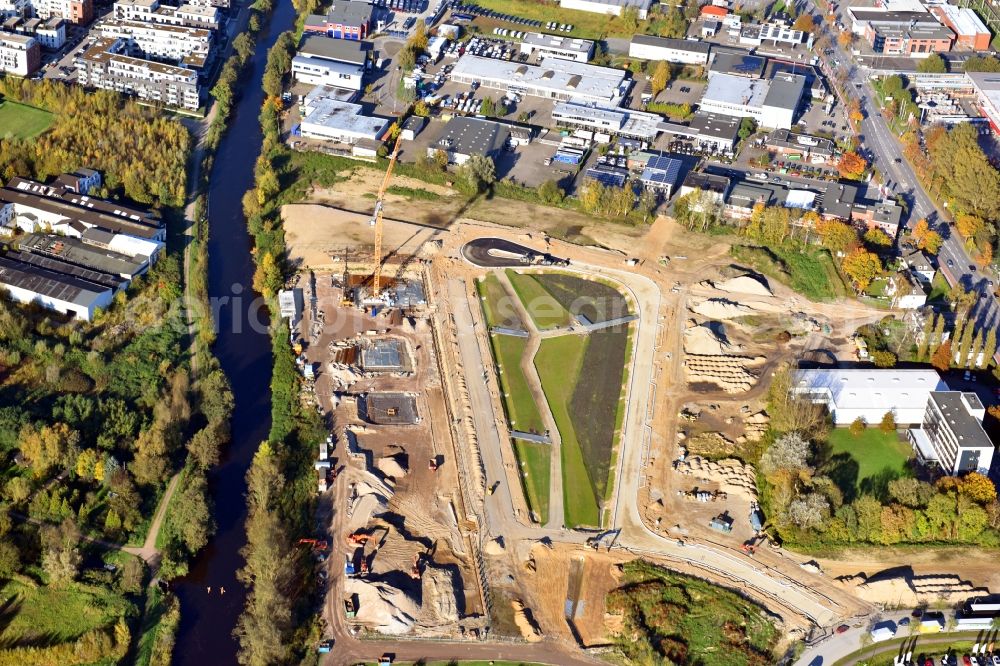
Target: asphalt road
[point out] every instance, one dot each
(498, 253)
(888, 153)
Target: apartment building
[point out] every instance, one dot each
(50, 34)
(951, 434)
(79, 12)
(19, 54)
(107, 65)
(180, 45)
(151, 11)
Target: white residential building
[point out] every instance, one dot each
(612, 7)
(52, 34)
(951, 434)
(173, 44)
(684, 51)
(19, 54)
(106, 65)
(150, 11)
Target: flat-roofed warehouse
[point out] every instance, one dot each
(609, 7)
(464, 137)
(616, 121)
(63, 293)
(772, 103)
(556, 79)
(685, 51)
(557, 46)
(75, 251)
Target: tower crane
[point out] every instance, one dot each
(376, 220)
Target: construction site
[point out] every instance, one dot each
(426, 527)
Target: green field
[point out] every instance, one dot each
(49, 616)
(596, 301)
(867, 463)
(670, 618)
(559, 362)
(811, 272)
(21, 121)
(536, 471)
(587, 25)
(497, 308)
(544, 310)
(522, 413)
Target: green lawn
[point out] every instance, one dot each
(810, 272)
(522, 413)
(22, 121)
(544, 310)
(867, 463)
(49, 615)
(497, 308)
(558, 362)
(939, 289)
(587, 25)
(535, 461)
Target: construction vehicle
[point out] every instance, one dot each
(433, 464)
(385, 660)
(376, 220)
(325, 646)
(349, 569)
(357, 539)
(316, 543)
(349, 609)
(364, 566)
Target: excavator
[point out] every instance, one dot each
(376, 220)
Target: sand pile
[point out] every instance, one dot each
(727, 372)
(702, 340)
(754, 426)
(525, 623)
(382, 607)
(745, 284)
(494, 547)
(391, 466)
(730, 473)
(720, 308)
(904, 591)
(440, 605)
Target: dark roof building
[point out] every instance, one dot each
(344, 20)
(67, 294)
(661, 174)
(464, 137)
(338, 50)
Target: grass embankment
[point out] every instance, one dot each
(545, 311)
(559, 362)
(591, 299)
(670, 618)
(874, 458)
(45, 615)
(497, 307)
(21, 121)
(536, 465)
(809, 271)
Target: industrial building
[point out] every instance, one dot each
(683, 51)
(336, 50)
(66, 294)
(612, 7)
(344, 20)
(80, 253)
(970, 31)
(808, 148)
(986, 86)
(774, 33)
(951, 433)
(772, 103)
(556, 46)
(464, 137)
(19, 54)
(661, 174)
(613, 121)
(850, 394)
(328, 116)
(556, 79)
(322, 72)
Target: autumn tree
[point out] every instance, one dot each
(804, 23)
(989, 347)
(267, 278)
(969, 226)
(858, 427)
(941, 359)
(877, 238)
(851, 165)
(48, 446)
(978, 488)
(925, 336)
(884, 359)
(862, 267)
(888, 423)
(661, 75)
(837, 236)
(932, 64)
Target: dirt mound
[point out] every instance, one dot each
(704, 341)
(731, 474)
(438, 590)
(494, 547)
(720, 308)
(745, 284)
(529, 631)
(909, 591)
(382, 607)
(725, 371)
(392, 466)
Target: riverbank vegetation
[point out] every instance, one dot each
(823, 488)
(671, 618)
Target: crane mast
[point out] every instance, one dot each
(376, 220)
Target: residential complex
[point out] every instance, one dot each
(151, 11)
(50, 33)
(106, 64)
(79, 12)
(19, 54)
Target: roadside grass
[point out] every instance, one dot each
(867, 463)
(939, 289)
(46, 615)
(559, 362)
(609, 488)
(21, 121)
(497, 308)
(545, 311)
(671, 616)
(587, 25)
(810, 271)
(535, 461)
(413, 193)
(522, 412)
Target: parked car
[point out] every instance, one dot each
(842, 628)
